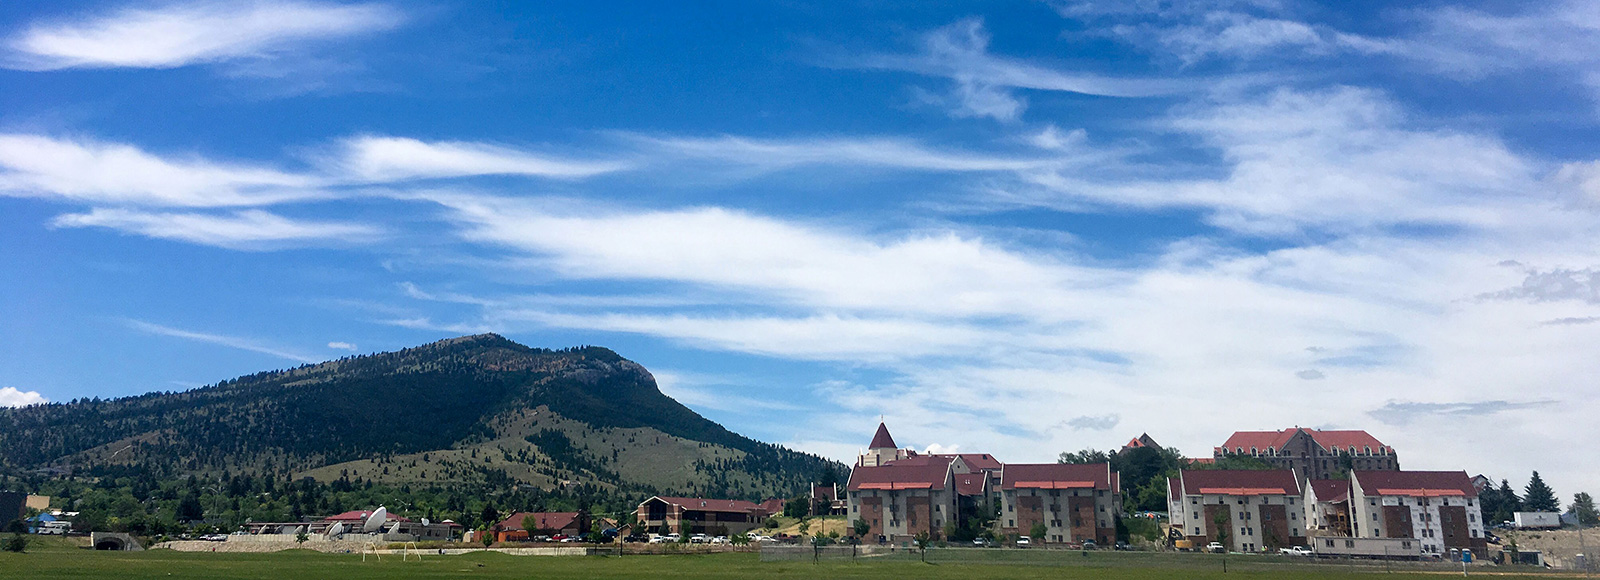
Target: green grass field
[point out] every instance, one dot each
(53, 560)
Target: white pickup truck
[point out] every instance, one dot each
(1296, 551)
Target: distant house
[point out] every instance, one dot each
(521, 526)
(1247, 511)
(1075, 502)
(700, 515)
(1312, 453)
(1438, 508)
(825, 501)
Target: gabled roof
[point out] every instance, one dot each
(924, 472)
(882, 440)
(538, 521)
(979, 461)
(1057, 476)
(971, 483)
(1330, 490)
(1329, 440)
(1173, 488)
(1415, 483)
(772, 506)
(709, 505)
(1239, 482)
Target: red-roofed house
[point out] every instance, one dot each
(1247, 511)
(901, 499)
(1327, 506)
(1312, 453)
(1074, 502)
(708, 516)
(522, 525)
(1438, 508)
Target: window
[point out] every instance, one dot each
(1374, 516)
(1197, 531)
(1196, 515)
(1011, 523)
(1194, 501)
(1349, 543)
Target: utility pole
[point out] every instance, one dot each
(1584, 548)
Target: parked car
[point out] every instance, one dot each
(1216, 548)
(1296, 551)
(980, 543)
(1024, 541)
(719, 540)
(1089, 545)
(1121, 546)
(636, 538)
(699, 539)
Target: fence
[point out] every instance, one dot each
(1172, 561)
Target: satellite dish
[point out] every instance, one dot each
(395, 529)
(375, 521)
(335, 529)
(425, 522)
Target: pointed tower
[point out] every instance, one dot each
(882, 449)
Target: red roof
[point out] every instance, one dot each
(1416, 483)
(882, 440)
(538, 521)
(772, 506)
(925, 472)
(1240, 482)
(1057, 476)
(361, 516)
(1330, 440)
(711, 505)
(980, 461)
(971, 483)
(1330, 490)
(1172, 488)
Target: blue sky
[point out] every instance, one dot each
(1012, 227)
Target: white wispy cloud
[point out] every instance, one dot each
(342, 346)
(390, 159)
(182, 34)
(92, 171)
(240, 343)
(881, 152)
(983, 84)
(13, 397)
(247, 229)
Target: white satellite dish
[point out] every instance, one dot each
(375, 521)
(425, 522)
(395, 529)
(335, 529)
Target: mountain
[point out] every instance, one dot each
(475, 409)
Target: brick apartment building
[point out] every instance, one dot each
(1440, 509)
(702, 516)
(1075, 502)
(1247, 511)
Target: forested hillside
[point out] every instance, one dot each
(477, 409)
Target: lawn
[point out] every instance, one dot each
(45, 562)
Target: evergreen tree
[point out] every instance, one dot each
(1538, 497)
(1509, 502)
(1583, 508)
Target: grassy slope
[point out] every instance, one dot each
(643, 455)
(51, 562)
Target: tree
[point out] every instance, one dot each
(488, 538)
(489, 516)
(1084, 456)
(1583, 508)
(18, 543)
(1038, 532)
(1509, 502)
(923, 540)
(300, 538)
(1538, 497)
(797, 507)
(1221, 523)
(861, 527)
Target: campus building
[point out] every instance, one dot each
(1312, 453)
(905, 497)
(1072, 502)
(522, 526)
(1440, 509)
(1327, 506)
(700, 516)
(1245, 511)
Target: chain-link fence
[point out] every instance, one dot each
(1094, 559)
